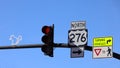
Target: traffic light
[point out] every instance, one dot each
(48, 40)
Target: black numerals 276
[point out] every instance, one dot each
(79, 37)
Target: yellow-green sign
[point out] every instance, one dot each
(103, 41)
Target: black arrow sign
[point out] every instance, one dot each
(79, 51)
(108, 41)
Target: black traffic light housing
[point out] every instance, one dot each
(48, 40)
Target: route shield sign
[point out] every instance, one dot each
(78, 37)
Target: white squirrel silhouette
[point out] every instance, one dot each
(15, 40)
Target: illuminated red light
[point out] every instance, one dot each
(46, 29)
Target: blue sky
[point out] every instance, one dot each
(26, 18)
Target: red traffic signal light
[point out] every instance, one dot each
(48, 37)
(46, 29)
(48, 40)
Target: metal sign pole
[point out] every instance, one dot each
(56, 45)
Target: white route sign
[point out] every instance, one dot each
(78, 25)
(78, 37)
(102, 52)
